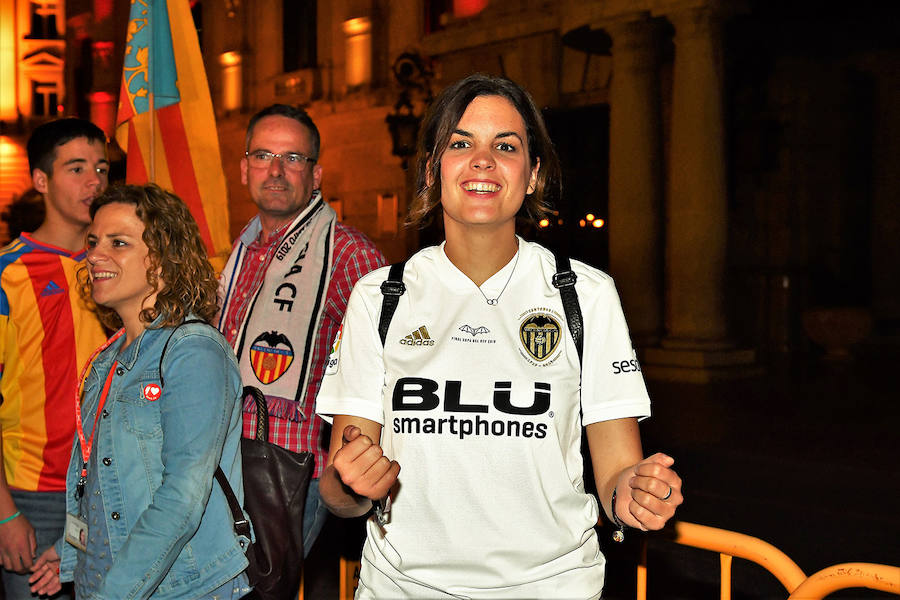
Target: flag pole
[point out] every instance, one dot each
(151, 95)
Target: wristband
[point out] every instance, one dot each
(11, 517)
(618, 534)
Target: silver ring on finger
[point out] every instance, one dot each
(668, 495)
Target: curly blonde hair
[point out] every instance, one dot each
(178, 270)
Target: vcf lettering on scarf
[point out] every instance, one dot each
(276, 339)
(283, 303)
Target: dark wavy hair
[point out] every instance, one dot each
(441, 120)
(179, 271)
(46, 138)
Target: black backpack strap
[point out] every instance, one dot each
(391, 289)
(564, 280)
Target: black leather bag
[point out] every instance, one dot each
(275, 485)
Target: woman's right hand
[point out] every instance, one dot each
(45, 574)
(362, 465)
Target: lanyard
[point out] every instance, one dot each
(86, 444)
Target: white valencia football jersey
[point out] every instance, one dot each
(480, 406)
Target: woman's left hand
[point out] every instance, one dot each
(45, 574)
(648, 493)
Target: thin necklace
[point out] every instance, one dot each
(494, 301)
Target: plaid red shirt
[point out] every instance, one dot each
(354, 255)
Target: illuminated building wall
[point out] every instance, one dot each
(32, 81)
(254, 58)
(8, 61)
(721, 154)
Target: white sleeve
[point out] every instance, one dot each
(354, 376)
(612, 385)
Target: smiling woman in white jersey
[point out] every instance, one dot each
(485, 415)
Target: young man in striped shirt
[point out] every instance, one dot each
(46, 335)
(286, 285)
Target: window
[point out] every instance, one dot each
(439, 13)
(358, 44)
(43, 20)
(44, 99)
(298, 34)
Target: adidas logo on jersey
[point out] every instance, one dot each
(50, 289)
(419, 337)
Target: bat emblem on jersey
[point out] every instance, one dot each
(473, 331)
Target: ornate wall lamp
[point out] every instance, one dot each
(413, 75)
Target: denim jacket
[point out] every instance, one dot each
(171, 533)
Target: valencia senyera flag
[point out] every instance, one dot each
(165, 121)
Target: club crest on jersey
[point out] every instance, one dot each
(270, 355)
(540, 334)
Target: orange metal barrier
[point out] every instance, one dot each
(730, 544)
(848, 575)
(349, 578)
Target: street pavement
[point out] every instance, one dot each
(805, 458)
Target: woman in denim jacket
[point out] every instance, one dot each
(159, 411)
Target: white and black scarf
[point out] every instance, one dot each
(276, 339)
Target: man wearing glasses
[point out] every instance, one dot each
(285, 287)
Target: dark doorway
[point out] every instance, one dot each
(581, 137)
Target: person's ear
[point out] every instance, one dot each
(40, 180)
(532, 181)
(244, 167)
(317, 176)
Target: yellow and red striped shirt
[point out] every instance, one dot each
(47, 333)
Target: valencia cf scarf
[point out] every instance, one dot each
(275, 342)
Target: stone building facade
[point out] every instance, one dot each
(730, 163)
(654, 110)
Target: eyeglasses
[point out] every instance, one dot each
(261, 159)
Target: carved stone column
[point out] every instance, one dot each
(635, 177)
(697, 212)
(696, 346)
